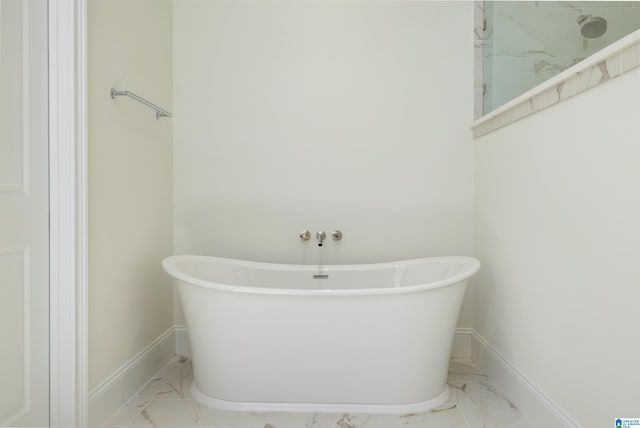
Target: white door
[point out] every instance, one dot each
(24, 206)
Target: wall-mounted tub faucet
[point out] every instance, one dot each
(305, 235)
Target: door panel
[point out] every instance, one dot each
(14, 370)
(24, 233)
(12, 59)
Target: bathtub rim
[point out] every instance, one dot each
(169, 264)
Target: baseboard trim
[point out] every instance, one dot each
(182, 340)
(116, 389)
(536, 407)
(461, 347)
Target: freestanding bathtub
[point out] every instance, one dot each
(370, 338)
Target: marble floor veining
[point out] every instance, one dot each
(165, 402)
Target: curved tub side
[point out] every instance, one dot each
(348, 352)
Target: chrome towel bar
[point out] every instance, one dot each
(160, 112)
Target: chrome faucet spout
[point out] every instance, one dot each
(320, 236)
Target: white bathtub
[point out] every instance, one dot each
(370, 338)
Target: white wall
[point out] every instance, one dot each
(130, 181)
(323, 115)
(556, 225)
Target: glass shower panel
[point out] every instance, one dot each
(528, 42)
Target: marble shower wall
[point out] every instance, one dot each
(528, 42)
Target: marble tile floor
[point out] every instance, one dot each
(165, 402)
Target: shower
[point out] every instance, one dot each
(592, 27)
(542, 44)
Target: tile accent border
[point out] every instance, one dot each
(611, 62)
(122, 384)
(537, 408)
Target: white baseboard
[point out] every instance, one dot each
(538, 409)
(461, 343)
(182, 340)
(113, 392)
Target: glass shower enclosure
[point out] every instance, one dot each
(528, 42)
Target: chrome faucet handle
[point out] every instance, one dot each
(336, 235)
(320, 236)
(305, 235)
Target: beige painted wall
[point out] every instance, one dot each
(557, 209)
(323, 115)
(130, 181)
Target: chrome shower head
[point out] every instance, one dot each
(592, 26)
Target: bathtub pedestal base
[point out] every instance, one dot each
(257, 407)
